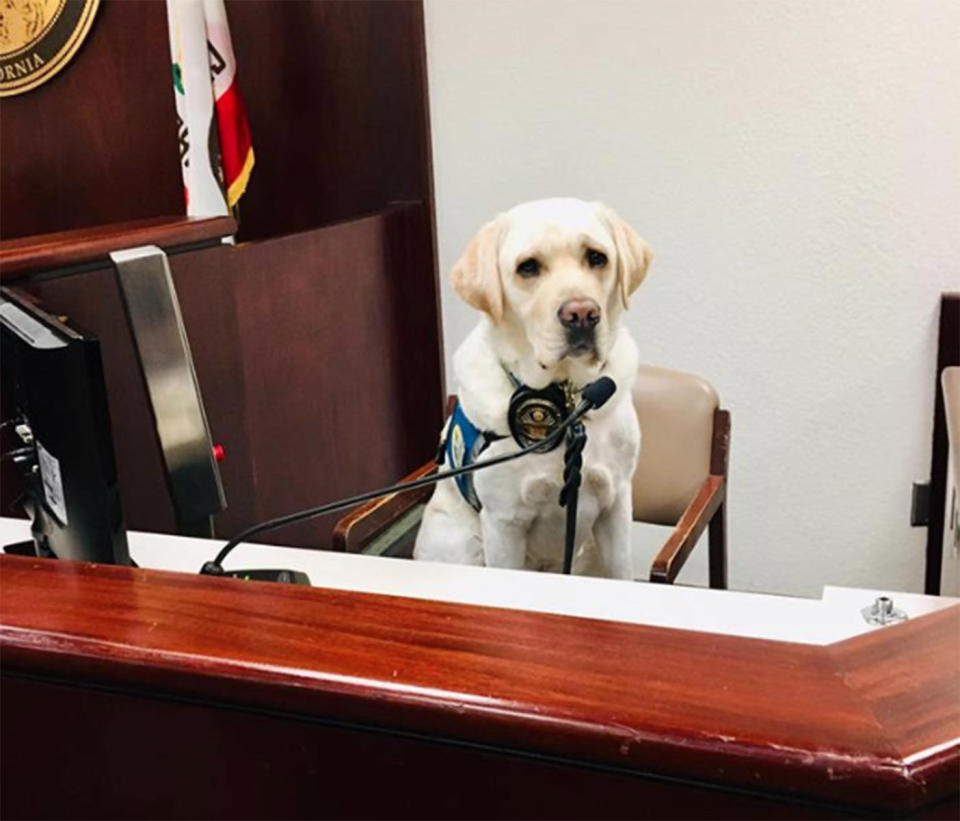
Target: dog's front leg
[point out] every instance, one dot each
(504, 541)
(612, 535)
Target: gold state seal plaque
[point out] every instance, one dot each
(38, 38)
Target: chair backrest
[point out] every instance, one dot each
(950, 382)
(676, 412)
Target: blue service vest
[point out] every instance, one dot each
(465, 442)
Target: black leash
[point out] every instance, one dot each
(570, 492)
(594, 396)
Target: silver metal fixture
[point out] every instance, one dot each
(153, 312)
(882, 612)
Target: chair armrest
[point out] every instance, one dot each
(357, 528)
(672, 556)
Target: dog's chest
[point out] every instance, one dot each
(540, 489)
(529, 488)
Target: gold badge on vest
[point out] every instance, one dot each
(38, 38)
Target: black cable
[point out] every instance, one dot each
(214, 568)
(14, 454)
(594, 396)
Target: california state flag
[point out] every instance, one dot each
(216, 154)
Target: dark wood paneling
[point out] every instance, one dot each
(318, 358)
(756, 715)
(336, 96)
(341, 375)
(98, 143)
(335, 93)
(91, 302)
(123, 756)
(82, 246)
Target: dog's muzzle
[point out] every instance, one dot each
(580, 318)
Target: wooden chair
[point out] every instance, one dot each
(681, 475)
(680, 480)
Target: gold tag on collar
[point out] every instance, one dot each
(535, 414)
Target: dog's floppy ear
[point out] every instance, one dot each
(476, 275)
(633, 253)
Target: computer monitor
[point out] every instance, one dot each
(58, 433)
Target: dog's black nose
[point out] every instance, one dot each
(579, 313)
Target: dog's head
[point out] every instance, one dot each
(554, 276)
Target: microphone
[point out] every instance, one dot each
(595, 395)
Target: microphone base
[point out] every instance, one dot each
(257, 575)
(282, 576)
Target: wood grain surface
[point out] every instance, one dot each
(81, 246)
(302, 346)
(97, 144)
(336, 98)
(872, 722)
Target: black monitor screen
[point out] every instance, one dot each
(54, 397)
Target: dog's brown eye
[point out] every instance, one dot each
(528, 268)
(596, 259)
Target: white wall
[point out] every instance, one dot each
(796, 168)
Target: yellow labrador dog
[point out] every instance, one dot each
(552, 279)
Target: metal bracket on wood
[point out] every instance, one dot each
(163, 351)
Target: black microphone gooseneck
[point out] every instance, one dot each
(594, 396)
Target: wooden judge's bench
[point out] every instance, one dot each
(315, 337)
(389, 688)
(400, 689)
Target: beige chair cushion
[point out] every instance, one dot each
(676, 422)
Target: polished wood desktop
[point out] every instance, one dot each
(145, 693)
(65, 252)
